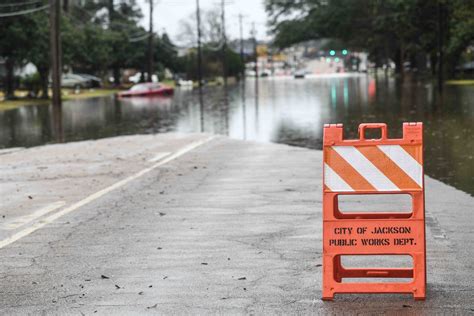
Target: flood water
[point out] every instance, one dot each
(282, 110)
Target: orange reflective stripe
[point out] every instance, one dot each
(346, 171)
(415, 151)
(390, 169)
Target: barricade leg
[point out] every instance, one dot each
(328, 277)
(419, 276)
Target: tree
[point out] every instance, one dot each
(97, 36)
(212, 65)
(15, 39)
(38, 52)
(112, 33)
(399, 30)
(166, 54)
(211, 28)
(460, 30)
(212, 43)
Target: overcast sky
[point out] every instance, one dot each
(169, 13)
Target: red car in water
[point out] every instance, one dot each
(147, 89)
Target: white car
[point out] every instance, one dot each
(74, 81)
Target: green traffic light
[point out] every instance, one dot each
(344, 51)
(328, 60)
(332, 52)
(336, 59)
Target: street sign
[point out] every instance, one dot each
(373, 166)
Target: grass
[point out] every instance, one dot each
(68, 94)
(13, 104)
(169, 82)
(92, 93)
(464, 82)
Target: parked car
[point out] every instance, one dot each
(300, 74)
(147, 89)
(95, 82)
(74, 81)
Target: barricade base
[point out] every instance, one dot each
(333, 285)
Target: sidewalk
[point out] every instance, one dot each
(226, 227)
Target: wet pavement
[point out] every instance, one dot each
(280, 110)
(221, 227)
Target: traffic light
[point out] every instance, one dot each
(344, 51)
(332, 52)
(336, 59)
(328, 59)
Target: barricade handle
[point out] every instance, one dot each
(381, 126)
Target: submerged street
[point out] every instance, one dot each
(280, 110)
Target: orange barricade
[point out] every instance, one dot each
(373, 166)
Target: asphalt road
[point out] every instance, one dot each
(221, 227)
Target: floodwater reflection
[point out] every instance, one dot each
(282, 110)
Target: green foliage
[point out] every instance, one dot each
(32, 83)
(166, 54)
(461, 31)
(390, 29)
(16, 37)
(212, 63)
(97, 37)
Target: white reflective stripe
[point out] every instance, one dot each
(405, 161)
(365, 168)
(334, 182)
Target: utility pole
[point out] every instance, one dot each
(241, 43)
(112, 26)
(254, 34)
(224, 46)
(150, 44)
(110, 8)
(440, 45)
(199, 57)
(55, 47)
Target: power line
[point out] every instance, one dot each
(23, 12)
(20, 4)
(140, 38)
(134, 37)
(139, 33)
(215, 48)
(124, 25)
